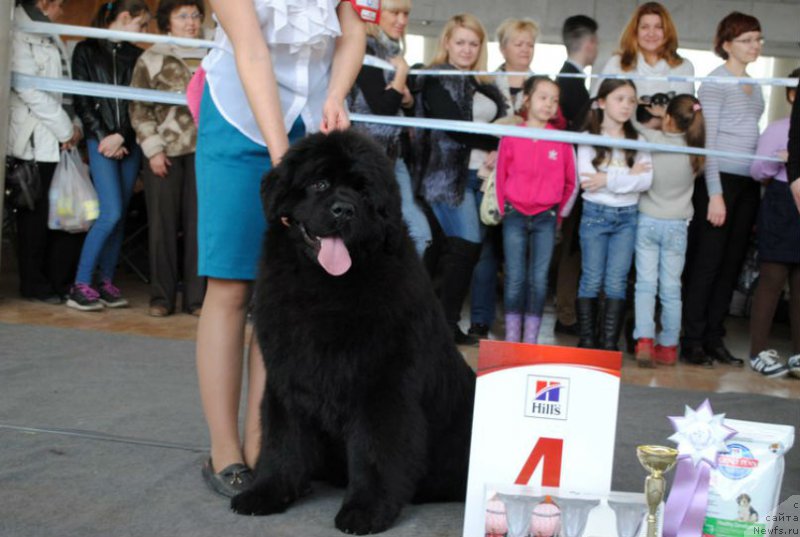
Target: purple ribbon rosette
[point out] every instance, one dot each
(701, 435)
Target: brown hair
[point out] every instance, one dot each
(470, 22)
(530, 85)
(629, 44)
(594, 121)
(166, 7)
(686, 112)
(109, 11)
(731, 27)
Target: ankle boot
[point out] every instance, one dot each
(612, 324)
(586, 310)
(458, 260)
(513, 327)
(532, 324)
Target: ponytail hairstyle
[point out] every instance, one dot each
(109, 11)
(687, 114)
(594, 121)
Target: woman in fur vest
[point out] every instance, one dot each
(449, 161)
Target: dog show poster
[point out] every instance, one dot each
(545, 418)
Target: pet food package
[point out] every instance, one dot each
(745, 486)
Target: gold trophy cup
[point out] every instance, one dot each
(658, 460)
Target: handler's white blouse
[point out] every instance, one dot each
(301, 38)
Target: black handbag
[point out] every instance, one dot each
(23, 183)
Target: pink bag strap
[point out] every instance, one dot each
(194, 93)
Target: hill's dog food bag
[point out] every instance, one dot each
(745, 485)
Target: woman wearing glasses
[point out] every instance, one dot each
(726, 202)
(167, 135)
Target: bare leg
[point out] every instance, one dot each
(220, 348)
(256, 382)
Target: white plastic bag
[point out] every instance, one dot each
(73, 200)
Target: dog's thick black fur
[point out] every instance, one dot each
(366, 387)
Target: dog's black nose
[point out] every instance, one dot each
(343, 210)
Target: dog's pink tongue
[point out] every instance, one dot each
(333, 256)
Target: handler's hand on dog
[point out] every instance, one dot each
(334, 116)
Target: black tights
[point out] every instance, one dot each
(772, 277)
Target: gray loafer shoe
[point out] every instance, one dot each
(230, 481)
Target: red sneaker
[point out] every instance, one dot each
(644, 352)
(666, 355)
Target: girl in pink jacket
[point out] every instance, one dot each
(536, 182)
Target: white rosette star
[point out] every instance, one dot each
(701, 434)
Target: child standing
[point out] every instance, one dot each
(114, 155)
(661, 236)
(535, 186)
(612, 180)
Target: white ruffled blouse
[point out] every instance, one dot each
(301, 37)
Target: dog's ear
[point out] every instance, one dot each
(275, 188)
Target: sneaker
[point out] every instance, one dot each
(111, 296)
(84, 298)
(644, 352)
(793, 363)
(768, 364)
(666, 355)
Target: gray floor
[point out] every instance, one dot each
(102, 435)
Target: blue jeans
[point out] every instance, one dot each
(528, 243)
(660, 256)
(608, 236)
(461, 221)
(413, 216)
(113, 180)
(484, 277)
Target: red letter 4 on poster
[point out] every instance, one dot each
(545, 416)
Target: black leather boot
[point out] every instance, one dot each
(612, 324)
(586, 311)
(458, 261)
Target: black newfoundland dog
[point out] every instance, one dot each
(366, 387)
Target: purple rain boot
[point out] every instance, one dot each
(513, 327)
(532, 324)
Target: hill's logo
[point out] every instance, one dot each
(547, 397)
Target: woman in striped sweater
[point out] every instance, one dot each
(726, 201)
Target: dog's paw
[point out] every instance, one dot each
(362, 520)
(258, 503)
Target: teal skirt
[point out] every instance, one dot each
(230, 217)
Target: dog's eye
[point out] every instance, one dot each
(320, 186)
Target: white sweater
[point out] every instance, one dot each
(622, 188)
